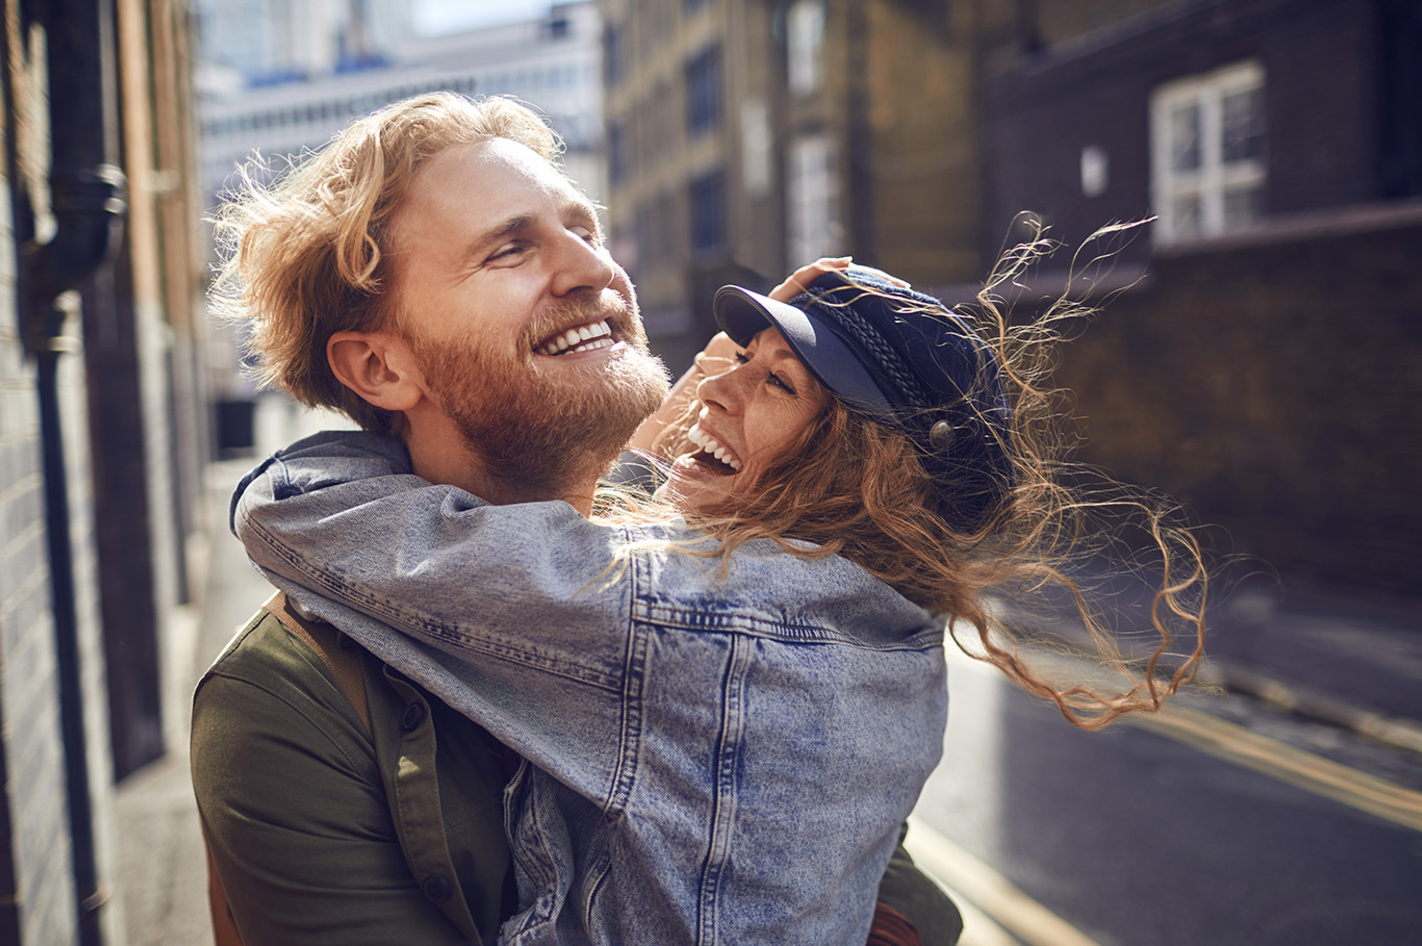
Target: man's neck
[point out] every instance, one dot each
(452, 464)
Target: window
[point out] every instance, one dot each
(617, 150)
(1207, 152)
(708, 213)
(645, 237)
(703, 90)
(804, 47)
(756, 143)
(812, 193)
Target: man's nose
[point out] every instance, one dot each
(581, 265)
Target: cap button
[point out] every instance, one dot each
(941, 435)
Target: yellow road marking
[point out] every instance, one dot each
(1264, 754)
(1234, 743)
(995, 911)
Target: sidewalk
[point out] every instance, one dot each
(1354, 664)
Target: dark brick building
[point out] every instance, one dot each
(1268, 367)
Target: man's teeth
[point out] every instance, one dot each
(583, 338)
(708, 443)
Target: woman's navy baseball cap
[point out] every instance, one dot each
(906, 360)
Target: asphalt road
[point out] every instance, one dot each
(1194, 831)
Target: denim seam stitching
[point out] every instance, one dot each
(422, 625)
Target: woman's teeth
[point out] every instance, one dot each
(709, 445)
(583, 338)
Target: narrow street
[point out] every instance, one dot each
(1186, 829)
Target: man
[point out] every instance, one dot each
(435, 277)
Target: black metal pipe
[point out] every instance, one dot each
(66, 635)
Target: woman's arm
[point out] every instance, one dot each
(713, 359)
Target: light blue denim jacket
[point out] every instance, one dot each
(711, 758)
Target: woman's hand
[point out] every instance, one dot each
(715, 358)
(718, 354)
(800, 279)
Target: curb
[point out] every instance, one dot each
(1394, 731)
(1397, 732)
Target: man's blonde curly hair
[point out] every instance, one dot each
(310, 255)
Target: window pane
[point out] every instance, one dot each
(618, 151)
(1185, 215)
(1185, 137)
(613, 41)
(708, 212)
(804, 27)
(812, 195)
(1242, 205)
(645, 235)
(703, 90)
(1243, 125)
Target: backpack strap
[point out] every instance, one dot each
(343, 662)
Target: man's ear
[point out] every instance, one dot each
(378, 366)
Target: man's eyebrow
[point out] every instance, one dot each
(581, 206)
(499, 231)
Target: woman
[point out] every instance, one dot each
(730, 698)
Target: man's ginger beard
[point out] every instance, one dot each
(539, 434)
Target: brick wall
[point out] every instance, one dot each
(1273, 386)
(29, 705)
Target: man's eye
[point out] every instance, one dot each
(506, 251)
(588, 234)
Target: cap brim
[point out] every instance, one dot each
(742, 313)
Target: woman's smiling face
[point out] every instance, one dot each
(751, 413)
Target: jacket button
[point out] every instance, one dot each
(414, 715)
(436, 888)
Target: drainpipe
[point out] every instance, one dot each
(88, 204)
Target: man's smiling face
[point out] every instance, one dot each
(526, 331)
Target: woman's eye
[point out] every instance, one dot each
(779, 382)
(742, 358)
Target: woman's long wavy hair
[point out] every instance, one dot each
(860, 489)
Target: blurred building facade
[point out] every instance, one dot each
(551, 62)
(267, 42)
(747, 136)
(103, 434)
(1263, 363)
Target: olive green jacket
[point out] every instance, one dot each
(324, 832)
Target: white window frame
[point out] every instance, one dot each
(812, 198)
(804, 31)
(1213, 179)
